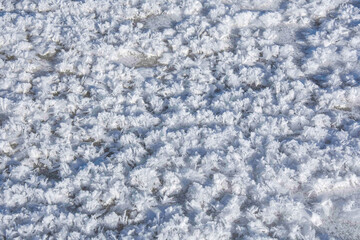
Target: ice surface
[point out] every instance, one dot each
(180, 119)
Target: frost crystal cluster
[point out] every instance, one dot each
(180, 119)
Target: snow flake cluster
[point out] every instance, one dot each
(179, 119)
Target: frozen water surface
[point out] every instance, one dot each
(154, 119)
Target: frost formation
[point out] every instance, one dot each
(179, 119)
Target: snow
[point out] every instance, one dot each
(181, 119)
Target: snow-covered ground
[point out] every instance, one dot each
(180, 119)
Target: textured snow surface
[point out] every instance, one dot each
(180, 119)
